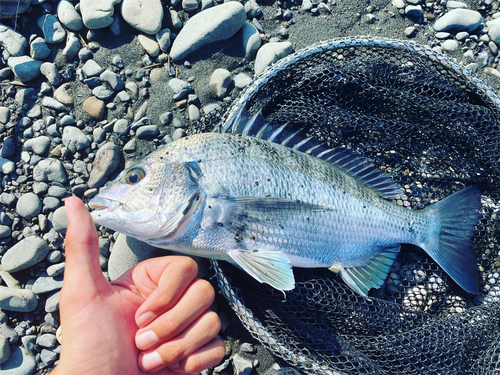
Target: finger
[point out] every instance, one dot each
(82, 250)
(162, 282)
(194, 302)
(198, 334)
(209, 355)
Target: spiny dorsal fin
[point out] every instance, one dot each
(354, 164)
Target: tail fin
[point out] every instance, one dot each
(458, 214)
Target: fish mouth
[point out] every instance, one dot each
(102, 206)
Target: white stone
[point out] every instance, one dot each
(459, 20)
(97, 14)
(14, 43)
(211, 25)
(24, 67)
(251, 40)
(149, 44)
(144, 15)
(24, 254)
(68, 16)
(270, 53)
(53, 31)
(221, 79)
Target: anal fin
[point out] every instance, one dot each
(371, 275)
(270, 267)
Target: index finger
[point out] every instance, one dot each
(162, 282)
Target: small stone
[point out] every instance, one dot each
(97, 14)
(414, 11)
(53, 104)
(4, 115)
(178, 134)
(45, 284)
(21, 300)
(94, 107)
(64, 95)
(144, 15)
(211, 25)
(193, 112)
(20, 363)
(7, 199)
(39, 145)
(49, 70)
(5, 231)
(130, 146)
(13, 42)
(112, 79)
(149, 43)
(48, 357)
(241, 365)
(163, 39)
(25, 254)
(47, 340)
(29, 206)
(74, 139)
(494, 30)
(221, 79)
(49, 170)
(7, 166)
(24, 67)
(449, 45)
(190, 5)
(242, 80)
(410, 32)
(251, 40)
(147, 132)
(398, 4)
(60, 220)
(39, 49)
(103, 92)
(53, 31)
(68, 16)
(270, 53)
(4, 349)
(72, 47)
(91, 68)
(180, 88)
(459, 20)
(106, 162)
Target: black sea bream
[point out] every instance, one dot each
(268, 207)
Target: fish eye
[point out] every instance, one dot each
(134, 176)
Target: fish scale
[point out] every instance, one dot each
(267, 207)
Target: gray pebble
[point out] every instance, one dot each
(178, 134)
(20, 363)
(130, 146)
(24, 67)
(39, 145)
(105, 163)
(7, 199)
(123, 96)
(51, 203)
(21, 300)
(99, 135)
(241, 365)
(48, 357)
(307, 5)
(118, 61)
(459, 20)
(29, 206)
(163, 39)
(147, 132)
(251, 40)
(221, 79)
(113, 79)
(50, 170)
(7, 166)
(4, 349)
(193, 112)
(414, 11)
(242, 80)
(180, 88)
(24, 254)
(74, 139)
(449, 45)
(53, 31)
(103, 92)
(213, 24)
(270, 53)
(68, 16)
(190, 5)
(54, 256)
(47, 283)
(494, 30)
(39, 49)
(52, 302)
(4, 115)
(92, 69)
(47, 340)
(8, 148)
(145, 18)
(84, 54)
(121, 126)
(252, 9)
(5, 231)
(56, 269)
(67, 120)
(53, 104)
(97, 14)
(166, 118)
(29, 342)
(13, 42)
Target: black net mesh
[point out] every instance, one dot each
(435, 129)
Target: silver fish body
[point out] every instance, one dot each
(267, 207)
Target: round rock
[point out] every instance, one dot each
(22, 300)
(49, 70)
(211, 25)
(97, 14)
(74, 139)
(50, 170)
(20, 363)
(459, 20)
(39, 49)
(60, 220)
(94, 107)
(163, 39)
(39, 145)
(144, 15)
(4, 349)
(26, 253)
(221, 79)
(107, 159)
(12, 41)
(251, 40)
(29, 206)
(270, 53)
(24, 67)
(149, 44)
(68, 16)
(53, 31)
(64, 95)
(180, 88)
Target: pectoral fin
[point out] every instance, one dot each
(373, 274)
(270, 267)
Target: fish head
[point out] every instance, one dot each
(151, 200)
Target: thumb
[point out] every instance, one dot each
(82, 270)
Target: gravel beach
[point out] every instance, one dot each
(85, 91)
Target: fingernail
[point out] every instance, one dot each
(151, 360)
(145, 319)
(146, 340)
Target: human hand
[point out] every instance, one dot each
(100, 320)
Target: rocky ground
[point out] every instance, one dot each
(84, 92)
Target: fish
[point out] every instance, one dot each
(266, 199)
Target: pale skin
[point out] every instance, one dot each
(154, 318)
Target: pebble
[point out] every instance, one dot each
(7, 166)
(241, 365)
(459, 20)
(97, 14)
(48, 357)
(56, 269)
(106, 162)
(410, 32)
(53, 104)
(53, 31)
(269, 53)
(221, 79)
(193, 112)
(47, 340)
(455, 4)
(20, 363)
(60, 220)
(144, 15)
(4, 349)
(20, 300)
(180, 88)
(49, 70)
(5, 231)
(214, 24)
(39, 49)
(72, 48)
(149, 44)
(178, 134)
(449, 45)
(74, 139)
(24, 254)
(494, 30)
(398, 4)
(127, 252)
(46, 283)
(94, 107)
(29, 206)
(190, 5)
(7, 199)
(414, 11)
(68, 16)
(24, 67)
(29, 342)
(163, 38)
(4, 115)
(251, 40)
(121, 126)
(39, 145)
(91, 68)
(147, 132)
(50, 170)
(103, 92)
(13, 42)
(63, 94)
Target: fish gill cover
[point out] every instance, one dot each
(434, 128)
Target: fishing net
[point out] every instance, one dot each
(433, 127)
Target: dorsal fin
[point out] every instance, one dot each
(354, 164)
